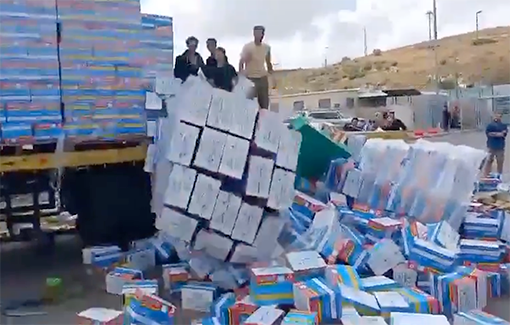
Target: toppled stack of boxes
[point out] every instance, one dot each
(79, 67)
(411, 248)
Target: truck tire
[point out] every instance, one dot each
(112, 203)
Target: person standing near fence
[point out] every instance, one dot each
(446, 118)
(496, 132)
(255, 64)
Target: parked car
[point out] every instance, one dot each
(330, 116)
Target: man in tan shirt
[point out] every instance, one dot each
(255, 57)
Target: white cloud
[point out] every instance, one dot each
(299, 31)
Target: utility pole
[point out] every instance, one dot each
(430, 16)
(434, 11)
(365, 46)
(476, 22)
(326, 56)
(434, 46)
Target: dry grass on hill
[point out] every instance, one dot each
(461, 57)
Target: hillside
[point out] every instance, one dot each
(461, 57)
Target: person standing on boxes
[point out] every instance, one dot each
(255, 64)
(211, 47)
(189, 62)
(210, 62)
(223, 75)
(496, 132)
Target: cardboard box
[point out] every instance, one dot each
(272, 285)
(225, 212)
(260, 171)
(183, 144)
(247, 223)
(281, 192)
(235, 155)
(210, 150)
(180, 186)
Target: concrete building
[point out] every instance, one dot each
(421, 110)
(342, 99)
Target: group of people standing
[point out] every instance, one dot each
(385, 121)
(255, 64)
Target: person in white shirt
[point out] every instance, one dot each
(255, 64)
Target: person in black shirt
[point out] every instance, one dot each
(211, 47)
(189, 62)
(353, 125)
(210, 63)
(398, 122)
(224, 75)
(446, 118)
(394, 124)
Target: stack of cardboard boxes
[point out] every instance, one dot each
(81, 67)
(102, 85)
(158, 44)
(29, 70)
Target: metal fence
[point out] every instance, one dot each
(472, 105)
(469, 110)
(425, 111)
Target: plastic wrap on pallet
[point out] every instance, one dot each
(403, 184)
(355, 143)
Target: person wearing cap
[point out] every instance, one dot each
(189, 62)
(255, 64)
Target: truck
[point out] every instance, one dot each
(73, 123)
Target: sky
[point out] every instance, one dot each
(305, 33)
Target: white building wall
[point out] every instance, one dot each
(342, 99)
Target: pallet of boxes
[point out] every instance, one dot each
(232, 171)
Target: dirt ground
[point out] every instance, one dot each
(23, 274)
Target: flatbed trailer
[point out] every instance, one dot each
(45, 161)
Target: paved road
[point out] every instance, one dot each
(476, 140)
(23, 272)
